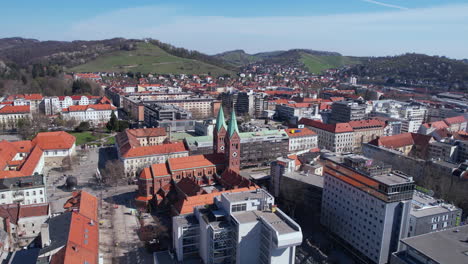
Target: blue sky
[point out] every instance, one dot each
(351, 27)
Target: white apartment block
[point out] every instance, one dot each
(242, 227)
(334, 137)
(97, 114)
(10, 115)
(366, 208)
(301, 140)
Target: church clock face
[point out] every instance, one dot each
(234, 154)
(221, 148)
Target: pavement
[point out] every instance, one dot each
(119, 241)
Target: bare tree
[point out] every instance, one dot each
(113, 172)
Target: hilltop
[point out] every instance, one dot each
(118, 54)
(314, 61)
(413, 70)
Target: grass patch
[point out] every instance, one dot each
(148, 58)
(317, 64)
(110, 140)
(86, 137)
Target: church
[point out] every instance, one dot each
(180, 184)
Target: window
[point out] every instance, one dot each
(239, 207)
(434, 226)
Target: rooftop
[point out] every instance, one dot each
(243, 196)
(448, 246)
(425, 205)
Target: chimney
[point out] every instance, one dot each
(45, 235)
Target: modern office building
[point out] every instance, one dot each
(366, 205)
(242, 227)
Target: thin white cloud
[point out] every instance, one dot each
(385, 4)
(439, 30)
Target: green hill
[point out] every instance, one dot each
(148, 58)
(316, 63)
(313, 61)
(237, 57)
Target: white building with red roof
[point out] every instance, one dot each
(301, 140)
(22, 164)
(11, 114)
(139, 148)
(32, 100)
(96, 114)
(55, 104)
(334, 137)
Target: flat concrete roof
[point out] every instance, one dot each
(424, 205)
(448, 246)
(273, 219)
(311, 179)
(245, 196)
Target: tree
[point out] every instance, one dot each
(113, 172)
(25, 128)
(113, 124)
(123, 125)
(83, 126)
(81, 87)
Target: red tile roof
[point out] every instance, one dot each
(54, 140)
(402, 140)
(196, 161)
(333, 128)
(436, 125)
(175, 147)
(455, 120)
(12, 109)
(299, 132)
(97, 107)
(362, 124)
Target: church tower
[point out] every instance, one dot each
(232, 142)
(219, 133)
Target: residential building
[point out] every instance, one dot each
(139, 148)
(457, 123)
(345, 111)
(412, 116)
(448, 246)
(199, 106)
(22, 223)
(293, 112)
(241, 227)
(431, 215)
(366, 205)
(334, 137)
(32, 100)
(22, 164)
(96, 115)
(73, 236)
(159, 112)
(365, 131)
(301, 140)
(410, 144)
(443, 150)
(55, 104)
(10, 115)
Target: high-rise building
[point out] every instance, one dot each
(242, 227)
(366, 205)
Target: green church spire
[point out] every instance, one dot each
(233, 124)
(220, 120)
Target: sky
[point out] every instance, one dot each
(351, 27)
